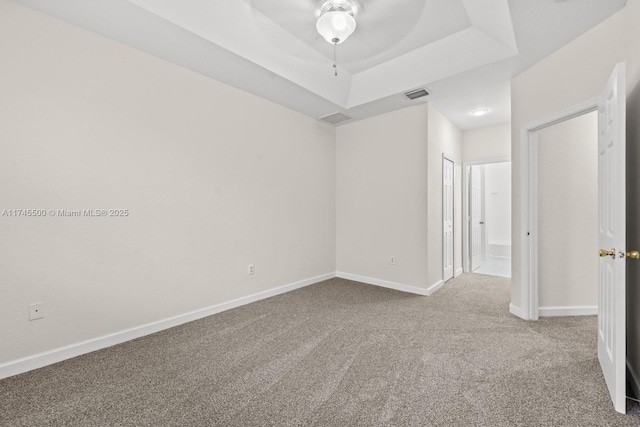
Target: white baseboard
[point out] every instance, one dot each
(50, 357)
(516, 311)
(458, 272)
(383, 283)
(583, 310)
(433, 288)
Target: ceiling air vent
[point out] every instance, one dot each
(335, 118)
(415, 94)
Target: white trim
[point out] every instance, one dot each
(433, 288)
(581, 310)
(465, 205)
(529, 203)
(40, 360)
(525, 241)
(386, 284)
(516, 311)
(453, 233)
(533, 226)
(458, 272)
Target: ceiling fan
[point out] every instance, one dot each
(336, 23)
(372, 26)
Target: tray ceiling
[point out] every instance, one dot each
(464, 52)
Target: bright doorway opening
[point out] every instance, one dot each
(487, 207)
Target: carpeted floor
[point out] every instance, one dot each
(338, 353)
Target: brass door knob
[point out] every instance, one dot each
(633, 254)
(611, 253)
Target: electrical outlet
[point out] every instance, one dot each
(36, 311)
(392, 260)
(251, 270)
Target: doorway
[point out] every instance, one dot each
(487, 234)
(611, 227)
(561, 210)
(566, 180)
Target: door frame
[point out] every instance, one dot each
(466, 247)
(529, 205)
(445, 157)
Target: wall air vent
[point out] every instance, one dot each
(415, 94)
(335, 118)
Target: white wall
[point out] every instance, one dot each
(382, 197)
(214, 179)
(444, 138)
(488, 143)
(568, 213)
(498, 208)
(389, 196)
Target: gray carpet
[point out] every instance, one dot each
(338, 353)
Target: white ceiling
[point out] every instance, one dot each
(464, 52)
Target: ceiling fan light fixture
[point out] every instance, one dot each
(336, 22)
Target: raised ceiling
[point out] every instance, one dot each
(464, 52)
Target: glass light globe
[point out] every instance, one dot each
(336, 26)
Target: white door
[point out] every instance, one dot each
(611, 232)
(475, 221)
(447, 218)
